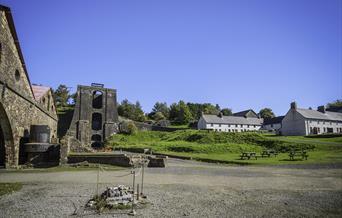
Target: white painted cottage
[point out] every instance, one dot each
(240, 122)
(273, 124)
(299, 121)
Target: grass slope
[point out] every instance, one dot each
(226, 147)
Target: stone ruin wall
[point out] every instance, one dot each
(18, 108)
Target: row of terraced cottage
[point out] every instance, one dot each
(297, 121)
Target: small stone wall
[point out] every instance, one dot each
(112, 159)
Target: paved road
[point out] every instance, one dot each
(187, 188)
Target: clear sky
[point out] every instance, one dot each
(237, 53)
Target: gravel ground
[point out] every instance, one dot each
(186, 189)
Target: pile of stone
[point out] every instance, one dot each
(118, 195)
(114, 196)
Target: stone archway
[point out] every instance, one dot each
(6, 138)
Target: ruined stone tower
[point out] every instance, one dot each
(95, 116)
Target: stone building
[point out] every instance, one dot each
(95, 116)
(21, 104)
(240, 122)
(299, 121)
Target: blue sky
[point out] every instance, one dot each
(237, 53)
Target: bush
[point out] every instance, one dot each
(128, 127)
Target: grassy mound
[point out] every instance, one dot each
(194, 141)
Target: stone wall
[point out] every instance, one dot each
(18, 108)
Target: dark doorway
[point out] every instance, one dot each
(2, 148)
(96, 141)
(314, 131)
(97, 99)
(96, 121)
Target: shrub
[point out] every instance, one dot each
(128, 127)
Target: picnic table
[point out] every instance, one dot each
(248, 155)
(269, 153)
(298, 153)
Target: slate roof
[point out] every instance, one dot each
(39, 91)
(231, 120)
(273, 120)
(313, 114)
(244, 113)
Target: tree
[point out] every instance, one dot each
(62, 96)
(160, 107)
(226, 111)
(266, 113)
(158, 116)
(180, 113)
(337, 103)
(131, 111)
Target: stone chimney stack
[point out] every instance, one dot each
(294, 105)
(220, 115)
(321, 109)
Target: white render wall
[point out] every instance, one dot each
(227, 127)
(293, 124)
(273, 127)
(322, 126)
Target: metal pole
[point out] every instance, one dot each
(142, 179)
(133, 201)
(97, 181)
(138, 192)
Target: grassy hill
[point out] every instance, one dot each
(226, 147)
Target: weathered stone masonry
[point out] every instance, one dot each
(18, 107)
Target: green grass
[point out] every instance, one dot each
(6, 188)
(226, 147)
(65, 168)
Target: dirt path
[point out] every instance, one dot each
(187, 188)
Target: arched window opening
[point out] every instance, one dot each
(0, 53)
(97, 99)
(17, 75)
(48, 103)
(96, 123)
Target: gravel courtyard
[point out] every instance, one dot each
(186, 189)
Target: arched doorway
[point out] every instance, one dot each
(6, 136)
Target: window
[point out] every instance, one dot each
(254, 126)
(323, 122)
(17, 75)
(247, 126)
(228, 125)
(212, 125)
(219, 125)
(310, 121)
(236, 125)
(317, 121)
(0, 53)
(97, 99)
(228, 130)
(96, 123)
(271, 125)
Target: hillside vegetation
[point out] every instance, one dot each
(222, 146)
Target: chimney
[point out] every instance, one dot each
(220, 115)
(294, 105)
(321, 109)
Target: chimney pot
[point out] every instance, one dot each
(294, 105)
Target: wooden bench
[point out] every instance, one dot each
(302, 154)
(269, 153)
(248, 155)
